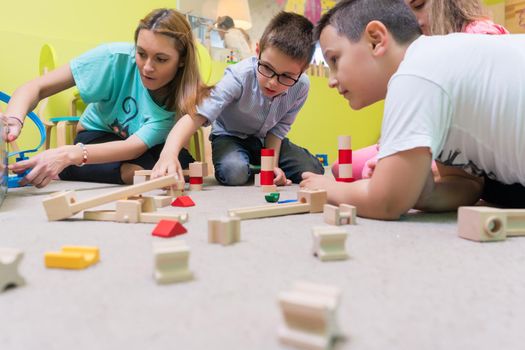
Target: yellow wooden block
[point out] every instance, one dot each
(91, 254)
(72, 257)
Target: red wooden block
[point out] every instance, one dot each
(345, 156)
(183, 201)
(266, 177)
(267, 152)
(168, 228)
(342, 179)
(196, 180)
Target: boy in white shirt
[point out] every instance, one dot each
(457, 99)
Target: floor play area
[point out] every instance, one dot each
(411, 284)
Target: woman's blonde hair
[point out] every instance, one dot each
(451, 16)
(186, 90)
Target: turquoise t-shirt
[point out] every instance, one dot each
(108, 79)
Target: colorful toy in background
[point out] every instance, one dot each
(323, 159)
(231, 58)
(13, 180)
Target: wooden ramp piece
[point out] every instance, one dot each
(64, 205)
(310, 201)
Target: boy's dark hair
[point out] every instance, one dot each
(292, 34)
(350, 18)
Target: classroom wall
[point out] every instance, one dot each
(72, 27)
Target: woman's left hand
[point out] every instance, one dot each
(45, 166)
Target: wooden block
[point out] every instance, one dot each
(174, 193)
(9, 261)
(269, 210)
(64, 205)
(515, 222)
(267, 163)
(269, 188)
(162, 201)
(198, 169)
(171, 262)
(257, 180)
(91, 254)
(143, 173)
(72, 257)
(225, 231)
(146, 218)
(329, 243)
(168, 228)
(344, 142)
(195, 187)
(482, 224)
(345, 214)
(128, 211)
(315, 198)
(183, 201)
(309, 313)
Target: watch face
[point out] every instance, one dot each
(3, 162)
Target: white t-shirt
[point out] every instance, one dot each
(463, 96)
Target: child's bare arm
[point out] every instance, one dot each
(179, 136)
(394, 188)
(454, 188)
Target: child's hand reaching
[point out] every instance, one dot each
(280, 178)
(167, 164)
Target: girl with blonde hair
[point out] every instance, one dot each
(134, 93)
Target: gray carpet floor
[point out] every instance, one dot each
(410, 284)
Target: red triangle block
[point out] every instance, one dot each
(183, 201)
(168, 228)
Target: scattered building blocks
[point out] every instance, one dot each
(329, 243)
(72, 257)
(198, 171)
(225, 231)
(9, 276)
(272, 197)
(64, 204)
(168, 228)
(171, 262)
(266, 176)
(309, 312)
(309, 201)
(345, 159)
(183, 201)
(345, 214)
(484, 224)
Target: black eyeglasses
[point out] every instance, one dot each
(270, 73)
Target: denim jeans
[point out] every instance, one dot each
(110, 172)
(232, 157)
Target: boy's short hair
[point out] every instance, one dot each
(292, 34)
(350, 18)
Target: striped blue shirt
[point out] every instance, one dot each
(237, 106)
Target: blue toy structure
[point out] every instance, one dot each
(13, 180)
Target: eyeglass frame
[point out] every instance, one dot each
(259, 64)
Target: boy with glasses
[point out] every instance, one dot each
(253, 107)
